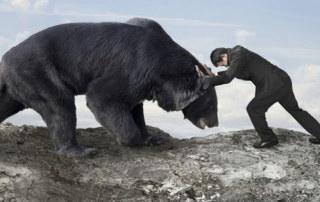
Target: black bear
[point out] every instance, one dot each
(116, 65)
(203, 111)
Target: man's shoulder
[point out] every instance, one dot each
(238, 47)
(238, 50)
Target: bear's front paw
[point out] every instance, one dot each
(153, 140)
(77, 151)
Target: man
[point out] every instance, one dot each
(272, 85)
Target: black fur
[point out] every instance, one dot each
(205, 108)
(116, 65)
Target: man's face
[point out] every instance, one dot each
(224, 61)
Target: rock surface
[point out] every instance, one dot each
(221, 167)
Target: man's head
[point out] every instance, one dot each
(219, 57)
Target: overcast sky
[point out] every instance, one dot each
(284, 32)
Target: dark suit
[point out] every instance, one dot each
(272, 85)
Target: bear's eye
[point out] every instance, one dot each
(213, 107)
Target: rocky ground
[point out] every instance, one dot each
(221, 167)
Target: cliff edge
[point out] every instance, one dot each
(220, 167)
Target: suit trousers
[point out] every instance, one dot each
(285, 96)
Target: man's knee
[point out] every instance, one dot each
(249, 109)
(254, 111)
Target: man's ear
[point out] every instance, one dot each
(204, 82)
(224, 56)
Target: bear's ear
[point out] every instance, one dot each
(204, 82)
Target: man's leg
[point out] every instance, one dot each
(308, 122)
(258, 107)
(256, 110)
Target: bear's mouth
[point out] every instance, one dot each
(202, 123)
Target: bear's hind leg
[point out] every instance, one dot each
(9, 107)
(147, 138)
(60, 117)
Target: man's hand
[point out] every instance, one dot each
(208, 70)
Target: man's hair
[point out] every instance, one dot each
(216, 55)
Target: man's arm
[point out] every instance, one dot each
(237, 62)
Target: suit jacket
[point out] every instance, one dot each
(246, 65)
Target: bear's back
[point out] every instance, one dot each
(148, 25)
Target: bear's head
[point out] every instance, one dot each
(203, 111)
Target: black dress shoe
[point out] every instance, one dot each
(261, 144)
(314, 140)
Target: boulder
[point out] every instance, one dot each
(220, 167)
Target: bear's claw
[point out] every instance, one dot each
(153, 140)
(78, 151)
